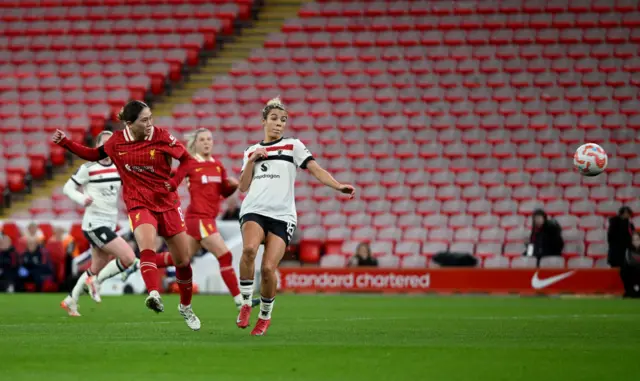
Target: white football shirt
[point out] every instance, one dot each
(271, 193)
(102, 183)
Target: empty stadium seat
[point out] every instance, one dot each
(71, 67)
(455, 121)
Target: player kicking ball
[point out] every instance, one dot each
(208, 183)
(268, 212)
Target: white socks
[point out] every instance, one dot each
(266, 306)
(246, 290)
(78, 289)
(112, 268)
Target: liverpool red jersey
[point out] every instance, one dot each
(144, 167)
(205, 179)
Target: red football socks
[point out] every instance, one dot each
(164, 260)
(183, 278)
(149, 269)
(228, 274)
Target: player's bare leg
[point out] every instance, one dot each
(125, 258)
(274, 249)
(179, 247)
(146, 238)
(216, 246)
(70, 303)
(252, 237)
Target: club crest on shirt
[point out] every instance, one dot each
(137, 217)
(152, 153)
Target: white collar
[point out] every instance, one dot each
(128, 136)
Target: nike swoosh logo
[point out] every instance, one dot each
(539, 284)
(122, 153)
(198, 169)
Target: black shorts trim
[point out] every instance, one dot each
(280, 228)
(99, 237)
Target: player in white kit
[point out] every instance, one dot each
(101, 183)
(268, 213)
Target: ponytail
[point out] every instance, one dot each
(274, 103)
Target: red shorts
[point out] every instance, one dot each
(201, 228)
(167, 224)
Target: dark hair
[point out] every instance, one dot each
(100, 135)
(131, 111)
(539, 212)
(274, 103)
(625, 209)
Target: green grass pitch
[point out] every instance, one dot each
(324, 337)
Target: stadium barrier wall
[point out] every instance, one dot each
(206, 270)
(452, 280)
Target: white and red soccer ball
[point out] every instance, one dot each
(590, 159)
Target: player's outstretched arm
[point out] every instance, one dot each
(83, 152)
(247, 170)
(325, 177)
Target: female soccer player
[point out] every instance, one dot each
(208, 182)
(268, 213)
(142, 153)
(101, 183)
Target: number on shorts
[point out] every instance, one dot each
(290, 229)
(181, 215)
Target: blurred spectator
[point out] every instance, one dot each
(8, 264)
(619, 236)
(546, 236)
(35, 266)
(33, 232)
(61, 249)
(232, 213)
(363, 257)
(630, 269)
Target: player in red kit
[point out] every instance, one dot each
(208, 182)
(143, 154)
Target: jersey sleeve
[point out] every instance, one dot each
(70, 189)
(301, 154)
(175, 148)
(81, 177)
(245, 159)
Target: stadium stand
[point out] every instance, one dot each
(455, 119)
(70, 64)
(451, 116)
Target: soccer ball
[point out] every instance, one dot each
(590, 159)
